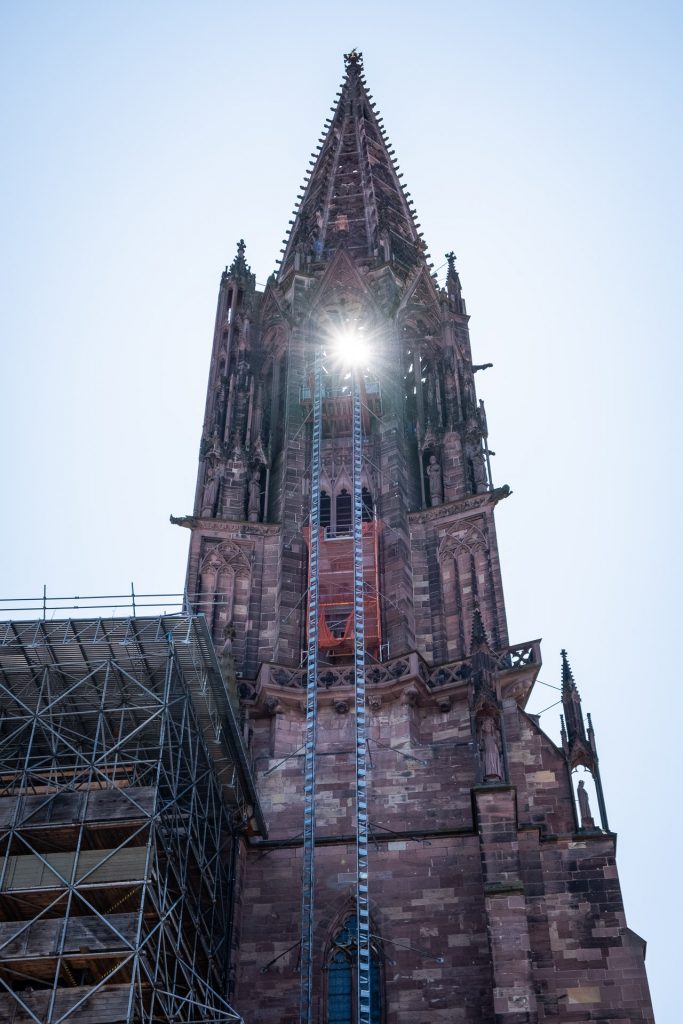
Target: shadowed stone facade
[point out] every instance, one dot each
(494, 895)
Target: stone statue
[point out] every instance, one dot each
(477, 459)
(431, 396)
(254, 506)
(481, 416)
(435, 481)
(451, 399)
(242, 371)
(210, 492)
(491, 750)
(584, 806)
(468, 394)
(215, 442)
(228, 637)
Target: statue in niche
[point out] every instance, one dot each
(435, 481)
(490, 748)
(468, 393)
(451, 399)
(254, 504)
(481, 416)
(584, 806)
(431, 397)
(210, 492)
(215, 443)
(227, 664)
(475, 455)
(242, 370)
(228, 637)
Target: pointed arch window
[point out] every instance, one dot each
(336, 508)
(344, 512)
(325, 510)
(341, 977)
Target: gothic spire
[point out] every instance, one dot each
(353, 197)
(571, 703)
(453, 284)
(568, 683)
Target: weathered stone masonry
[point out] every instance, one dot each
(494, 892)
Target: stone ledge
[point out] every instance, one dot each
(460, 505)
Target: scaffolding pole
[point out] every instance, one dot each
(362, 902)
(308, 880)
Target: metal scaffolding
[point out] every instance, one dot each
(308, 879)
(362, 901)
(358, 568)
(124, 786)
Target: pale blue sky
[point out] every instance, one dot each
(541, 141)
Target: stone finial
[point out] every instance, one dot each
(353, 59)
(479, 638)
(453, 287)
(567, 674)
(239, 266)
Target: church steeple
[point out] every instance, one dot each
(353, 196)
(343, 554)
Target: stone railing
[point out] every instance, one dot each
(512, 659)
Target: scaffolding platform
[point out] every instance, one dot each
(335, 599)
(124, 787)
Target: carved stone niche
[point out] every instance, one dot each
(490, 745)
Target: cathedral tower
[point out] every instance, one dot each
(492, 890)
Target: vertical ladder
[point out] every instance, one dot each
(308, 881)
(362, 904)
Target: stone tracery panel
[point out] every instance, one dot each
(224, 576)
(466, 580)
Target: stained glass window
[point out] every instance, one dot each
(341, 981)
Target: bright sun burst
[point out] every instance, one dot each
(350, 348)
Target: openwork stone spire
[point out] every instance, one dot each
(239, 268)
(571, 702)
(353, 197)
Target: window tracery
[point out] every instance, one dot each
(341, 969)
(336, 507)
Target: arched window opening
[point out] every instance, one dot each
(341, 981)
(367, 505)
(344, 512)
(325, 510)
